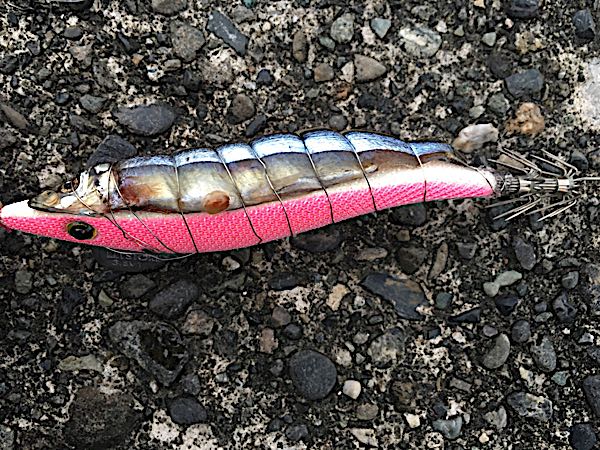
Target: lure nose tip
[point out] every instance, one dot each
(2, 224)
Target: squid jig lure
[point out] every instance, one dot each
(239, 195)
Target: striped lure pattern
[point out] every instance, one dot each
(241, 194)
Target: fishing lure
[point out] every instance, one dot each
(239, 195)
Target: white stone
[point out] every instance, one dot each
(412, 420)
(352, 389)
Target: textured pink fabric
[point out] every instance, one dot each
(232, 229)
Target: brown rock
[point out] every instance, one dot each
(528, 120)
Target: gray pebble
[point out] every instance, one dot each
(297, 432)
(7, 438)
(410, 259)
(148, 120)
(405, 295)
(443, 300)
(591, 389)
(525, 253)
(280, 317)
(168, 7)
(470, 316)
(527, 83)
(342, 28)
(489, 39)
(522, 9)
(222, 27)
(367, 68)
(338, 122)
(187, 40)
(560, 377)
(73, 33)
(506, 303)
(420, 41)
(570, 279)
(318, 241)
(531, 406)
(380, 26)
(187, 411)
(327, 42)
(449, 428)
(498, 104)
(388, 348)
(136, 286)
(466, 250)
(299, 46)
(582, 436)
(497, 418)
(410, 215)
(191, 384)
(564, 310)
(585, 26)
(91, 103)
(242, 108)
(312, 373)
(520, 331)
(497, 355)
(23, 281)
(113, 148)
(544, 355)
(171, 302)
(323, 72)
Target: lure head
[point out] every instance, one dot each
(86, 196)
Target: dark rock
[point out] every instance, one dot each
(191, 384)
(71, 298)
(62, 98)
(256, 125)
(318, 241)
(500, 64)
(73, 33)
(156, 347)
(591, 389)
(187, 411)
(136, 286)
(14, 117)
(594, 353)
(98, 420)
(527, 83)
(338, 122)
(498, 353)
(585, 26)
(531, 406)
(241, 109)
(172, 301)
(299, 46)
(293, 331)
(121, 262)
(521, 331)
(275, 425)
(410, 215)
(91, 103)
(297, 432)
(222, 27)
(150, 120)
(411, 259)
(466, 250)
(312, 373)
(191, 81)
(264, 78)
(103, 75)
(565, 311)
(506, 303)
(450, 428)
(9, 64)
(469, 316)
(187, 40)
(405, 295)
(522, 9)
(570, 280)
(283, 281)
(525, 253)
(168, 7)
(443, 300)
(111, 149)
(544, 355)
(579, 160)
(582, 436)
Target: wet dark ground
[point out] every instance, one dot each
(379, 331)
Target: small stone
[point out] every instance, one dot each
(136, 286)
(14, 117)
(150, 120)
(508, 278)
(7, 438)
(466, 250)
(570, 280)
(410, 259)
(91, 103)
(380, 26)
(497, 355)
(579, 160)
(420, 41)
(564, 310)
(171, 302)
(297, 432)
(342, 29)
(222, 27)
(87, 362)
(460, 385)
(242, 108)
(264, 78)
(498, 104)
(312, 373)
(187, 411)
(268, 343)
(522, 9)
(256, 125)
(365, 436)
(560, 378)
(498, 418)
(489, 39)
(443, 300)
(198, 322)
(367, 411)
(476, 111)
(23, 281)
(299, 46)
(327, 42)
(73, 33)
(544, 355)
(168, 7)
(367, 69)
(528, 120)
(591, 389)
(450, 428)
(283, 281)
(191, 384)
(531, 406)
(527, 83)
(338, 122)
(293, 331)
(104, 299)
(9, 64)
(506, 304)
(187, 40)
(323, 72)
(582, 436)
(525, 253)
(318, 241)
(405, 295)
(99, 419)
(410, 215)
(470, 316)
(352, 389)
(111, 149)
(338, 292)
(585, 26)
(280, 317)
(412, 420)
(388, 348)
(156, 347)
(475, 137)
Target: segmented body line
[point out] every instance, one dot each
(312, 164)
(364, 172)
(187, 226)
(423, 171)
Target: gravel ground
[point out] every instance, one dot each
(427, 326)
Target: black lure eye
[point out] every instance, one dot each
(81, 231)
